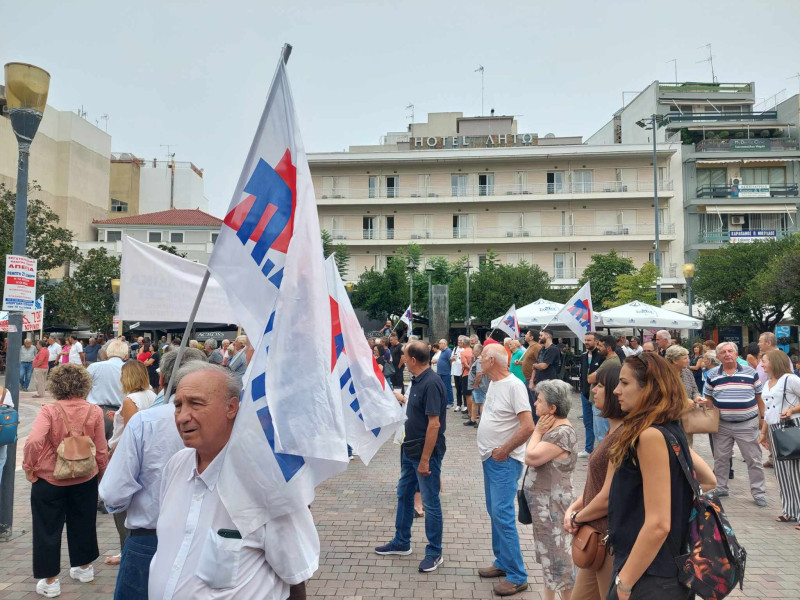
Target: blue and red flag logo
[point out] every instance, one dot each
(582, 313)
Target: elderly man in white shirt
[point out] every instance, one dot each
(106, 384)
(200, 553)
(76, 355)
(54, 349)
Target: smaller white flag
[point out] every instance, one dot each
(578, 313)
(509, 324)
(407, 318)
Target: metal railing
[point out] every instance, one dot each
(512, 189)
(721, 237)
(726, 191)
(699, 86)
(503, 233)
(756, 144)
(715, 117)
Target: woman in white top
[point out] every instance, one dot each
(435, 357)
(782, 391)
(138, 396)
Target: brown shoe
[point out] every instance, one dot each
(489, 572)
(506, 588)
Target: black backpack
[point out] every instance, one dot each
(715, 562)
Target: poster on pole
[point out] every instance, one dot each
(31, 319)
(19, 293)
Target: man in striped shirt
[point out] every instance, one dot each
(736, 391)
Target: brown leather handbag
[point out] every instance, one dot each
(704, 419)
(75, 455)
(589, 548)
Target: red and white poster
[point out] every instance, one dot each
(31, 319)
(19, 292)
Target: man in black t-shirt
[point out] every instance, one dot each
(549, 359)
(421, 458)
(398, 362)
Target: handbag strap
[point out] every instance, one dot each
(3, 397)
(64, 416)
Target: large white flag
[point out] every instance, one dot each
(407, 318)
(372, 414)
(269, 260)
(509, 324)
(577, 313)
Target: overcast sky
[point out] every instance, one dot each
(195, 74)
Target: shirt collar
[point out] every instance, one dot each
(211, 473)
(417, 378)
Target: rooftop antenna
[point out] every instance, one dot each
(411, 108)
(171, 158)
(480, 68)
(80, 112)
(709, 60)
(104, 118)
(675, 61)
(795, 76)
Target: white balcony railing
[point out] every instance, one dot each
(507, 233)
(458, 191)
(565, 273)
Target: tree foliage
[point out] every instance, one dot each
(742, 283)
(91, 284)
(639, 285)
(342, 257)
(171, 250)
(782, 275)
(602, 272)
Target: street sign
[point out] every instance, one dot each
(134, 325)
(19, 293)
(748, 236)
(116, 324)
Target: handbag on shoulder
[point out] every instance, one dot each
(523, 510)
(75, 455)
(589, 548)
(786, 439)
(703, 419)
(9, 421)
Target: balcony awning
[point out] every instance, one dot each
(748, 208)
(722, 161)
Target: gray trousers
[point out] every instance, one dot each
(745, 435)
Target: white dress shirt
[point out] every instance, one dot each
(106, 385)
(132, 480)
(54, 350)
(194, 562)
(75, 353)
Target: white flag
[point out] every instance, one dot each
(577, 313)
(407, 318)
(509, 323)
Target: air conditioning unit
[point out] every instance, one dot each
(735, 181)
(737, 219)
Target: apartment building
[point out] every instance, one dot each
(741, 165)
(461, 186)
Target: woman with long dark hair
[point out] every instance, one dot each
(650, 500)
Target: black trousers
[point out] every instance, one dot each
(51, 506)
(460, 401)
(650, 587)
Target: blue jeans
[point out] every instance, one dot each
(599, 424)
(134, 569)
(588, 422)
(500, 487)
(25, 374)
(448, 387)
(429, 487)
(3, 454)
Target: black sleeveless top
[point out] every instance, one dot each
(626, 509)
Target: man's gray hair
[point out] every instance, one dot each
(711, 356)
(212, 344)
(497, 352)
(462, 339)
(731, 344)
(556, 393)
(168, 362)
(769, 338)
(663, 333)
(233, 386)
(117, 349)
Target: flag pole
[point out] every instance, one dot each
(186, 332)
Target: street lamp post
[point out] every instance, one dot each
(653, 123)
(467, 267)
(688, 274)
(26, 98)
(429, 270)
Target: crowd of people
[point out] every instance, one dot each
(112, 441)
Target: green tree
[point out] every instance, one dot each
(171, 249)
(382, 293)
(91, 285)
(636, 286)
(342, 252)
(731, 281)
(602, 272)
(495, 287)
(782, 275)
(48, 243)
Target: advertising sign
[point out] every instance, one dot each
(731, 334)
(783, 333)
(748, 236)
(750, 144)
(19, 292)
(754, 191)
(31, 319)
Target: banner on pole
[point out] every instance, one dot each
(19, 292)
(31, 319)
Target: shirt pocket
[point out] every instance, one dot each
(219, 560)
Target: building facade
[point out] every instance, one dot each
(191, 232)
(70, 160)
(464, 186)
(741, 166)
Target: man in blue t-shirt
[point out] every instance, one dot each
(421, 459)
(443, 369)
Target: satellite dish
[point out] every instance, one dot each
(549, 135)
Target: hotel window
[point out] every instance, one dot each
(461, 228)
(335, 187)
(555, 182)
(119, 206)
(113, 236)
(763, 175)
(176, 237)
(389, 228)
(582, 181)
(521, 182)
(368, 227)
(392, 186)
(564, 265)
(712, 177)
(422, 227)
(214, 237)
(651, 256)
(373, 186)
(486, 184)
(425, 186)
(567, 222)
(458, 183)
(337, 228)
(154, 237)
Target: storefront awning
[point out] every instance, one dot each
(748, 208)
(724, 161)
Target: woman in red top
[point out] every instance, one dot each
(54, 501)
(145, 353)
(40, 367)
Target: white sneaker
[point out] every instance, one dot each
(463, 409)
(49, 590)
(583, 454)
(82, 575)
(456, 408)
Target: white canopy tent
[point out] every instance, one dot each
(639, 314)
(535, 314)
